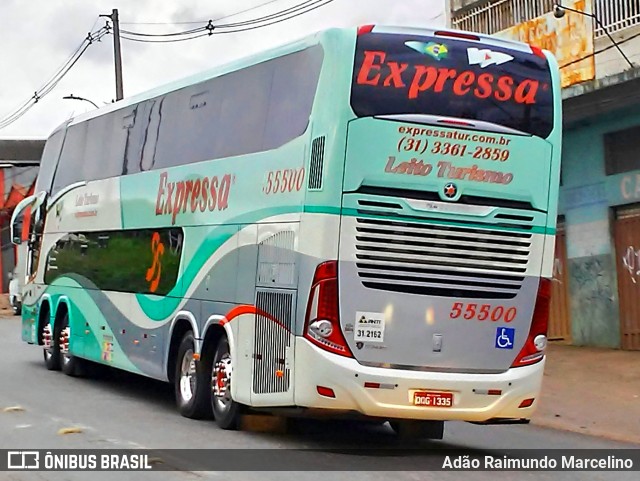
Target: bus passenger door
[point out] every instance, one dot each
(275, 301)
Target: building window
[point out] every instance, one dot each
(616, 15)
(497, 15)
(621, 151)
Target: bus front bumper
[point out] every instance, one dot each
(491, 398)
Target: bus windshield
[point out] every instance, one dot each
(415, 74)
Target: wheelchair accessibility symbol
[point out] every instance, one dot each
(505, 337)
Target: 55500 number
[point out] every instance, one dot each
(483, 312)
(285, 180)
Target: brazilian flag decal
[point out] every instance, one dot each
(435, 50)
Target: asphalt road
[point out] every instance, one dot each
(122, 411)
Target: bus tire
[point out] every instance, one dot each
(226, 411)
(70, 364)
(408, 430)
(191, 381)
(52, 353)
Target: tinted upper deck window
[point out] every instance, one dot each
(409, 74)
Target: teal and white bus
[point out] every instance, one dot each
(360, 223)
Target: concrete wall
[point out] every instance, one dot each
(611, 62)
(586, 199)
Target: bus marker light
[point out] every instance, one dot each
(325, 391)
(466, 36)
(526, 403)
(196, 356)
(279, 373)
(136, 342)
(459, 123)
(377, 385)
(488, 392)
(537, 51)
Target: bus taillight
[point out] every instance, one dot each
(322, 322)
(534, 347)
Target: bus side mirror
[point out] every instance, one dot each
(17, 218)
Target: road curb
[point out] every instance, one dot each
(586, 430)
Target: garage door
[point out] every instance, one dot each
(560, 311)
(627, 238)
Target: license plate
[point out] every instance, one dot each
(433, 399)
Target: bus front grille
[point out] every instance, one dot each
(439, 260)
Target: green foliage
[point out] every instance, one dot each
(116, 261)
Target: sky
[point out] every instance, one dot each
(38, 36)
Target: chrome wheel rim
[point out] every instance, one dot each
(46, 341)
(221, 382)
(65, 335)
(187, 376)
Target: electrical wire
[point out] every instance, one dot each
(203, 21)
(133, 39)
(53, 82)
(293, 9)
(180, 36)
(254, 24)
(172, 34)
(55, 79)
(210, 25)
(596, 52)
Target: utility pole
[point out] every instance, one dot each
(117, 54)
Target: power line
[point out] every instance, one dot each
(172, 34)
(190, 34)
(55, 79)
(133, 39)
(292, 9)
(210, 29)
(596, 52)
(204, 21)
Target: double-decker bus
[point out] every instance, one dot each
(359, 223)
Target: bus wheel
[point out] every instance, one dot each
(225, 410)
(413, 430)
(51, 349)
(71, 365)
(191, 381)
